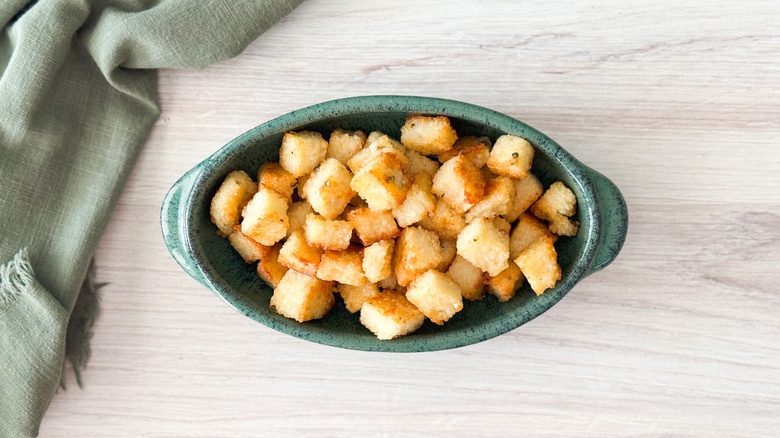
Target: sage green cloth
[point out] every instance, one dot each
(77, 102)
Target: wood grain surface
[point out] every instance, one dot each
(677, 102)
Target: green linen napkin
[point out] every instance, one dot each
(77, 102)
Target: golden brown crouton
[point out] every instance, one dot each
(428, 135)
(231, 197)
(269, 268)
(296, 213)
(343, 266)
(382, 182)
(556, 205)
(297, 254)
(389, 315)
(527, 191)
(378, 260)
(502, 224)
(482, 244)
(355, 296)
(247, 248)
(469, 278)
(273, 176)
(475, 149)
(302, 297)
(344, 144)
(372, 226)
(448, 251)
(499, 193)
(511, 156)
(420, 163)
(265, 217)
(419, 202)
(322, 233)
(527, 230)
(539, 263)
(459, 183)
(328, 189)
(444, 221)
(436, 295)
(504, 285)
(302, 151)
(416, 251)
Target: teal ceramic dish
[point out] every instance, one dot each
(191, 237)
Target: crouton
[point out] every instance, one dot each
(360, 159)
(504, 285)
(372, 137)
(269, 268)
(296, 214)
(502, 224)
(274, 177)
(469, 278)
(444, 221)
(416, 251)
(539, 263)
(302, 151)
(436, 295)
(499, 193)
(373, 148)
(231, 197)
(265, 217)
(389, 315)
(378, 260)
(343, 144)
(511, 156)
(343, 266)
(527, 191)
(527, 230)
(448, 251)
(420, 163)
(247, 248)
(355, 296)
(383, 182)
(297, 254)
(428, 135)
(459, 183)
(302, 297)
(482, 244)
(556, 206)
(333, 235)
(328, 189)
(390, 283)
(419, 202)
(475, 149)
(372, 226)
(384, 143)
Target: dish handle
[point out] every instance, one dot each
(172, 216)
(614, 221)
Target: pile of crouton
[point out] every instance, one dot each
(401, 230)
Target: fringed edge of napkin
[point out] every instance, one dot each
(15, 275)
(80, 325)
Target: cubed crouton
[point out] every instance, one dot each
(419, 202)
(448, 252)
(231, 197)
(504, 285)
(428, 135)
(459, 183)
(302, 151)
(469, 277)
(247, 248)
(273, 176)
(502, 224)
(297, 254)
(527, 230)
(475, 149)
(527, 191)
(373, 136)
(539, 263)
(482, 244)
(355, 296)
(296, 214)
(420, 163)
(383, 182)
(378, 260)
(343, 144)
(389, 315)
(302, 297)
(372, 226)
(511, 156)
(436, 295)
(416, 251)
(265, 217)
(499, 193)
(269, 268)
(373, 148)
(556, 206)
(333, 235)
(328, 189)
(444, 221)
(343, 266)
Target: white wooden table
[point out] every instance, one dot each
(677, 102)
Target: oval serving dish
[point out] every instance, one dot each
(191, 237)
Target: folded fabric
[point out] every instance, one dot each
(77, 101)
